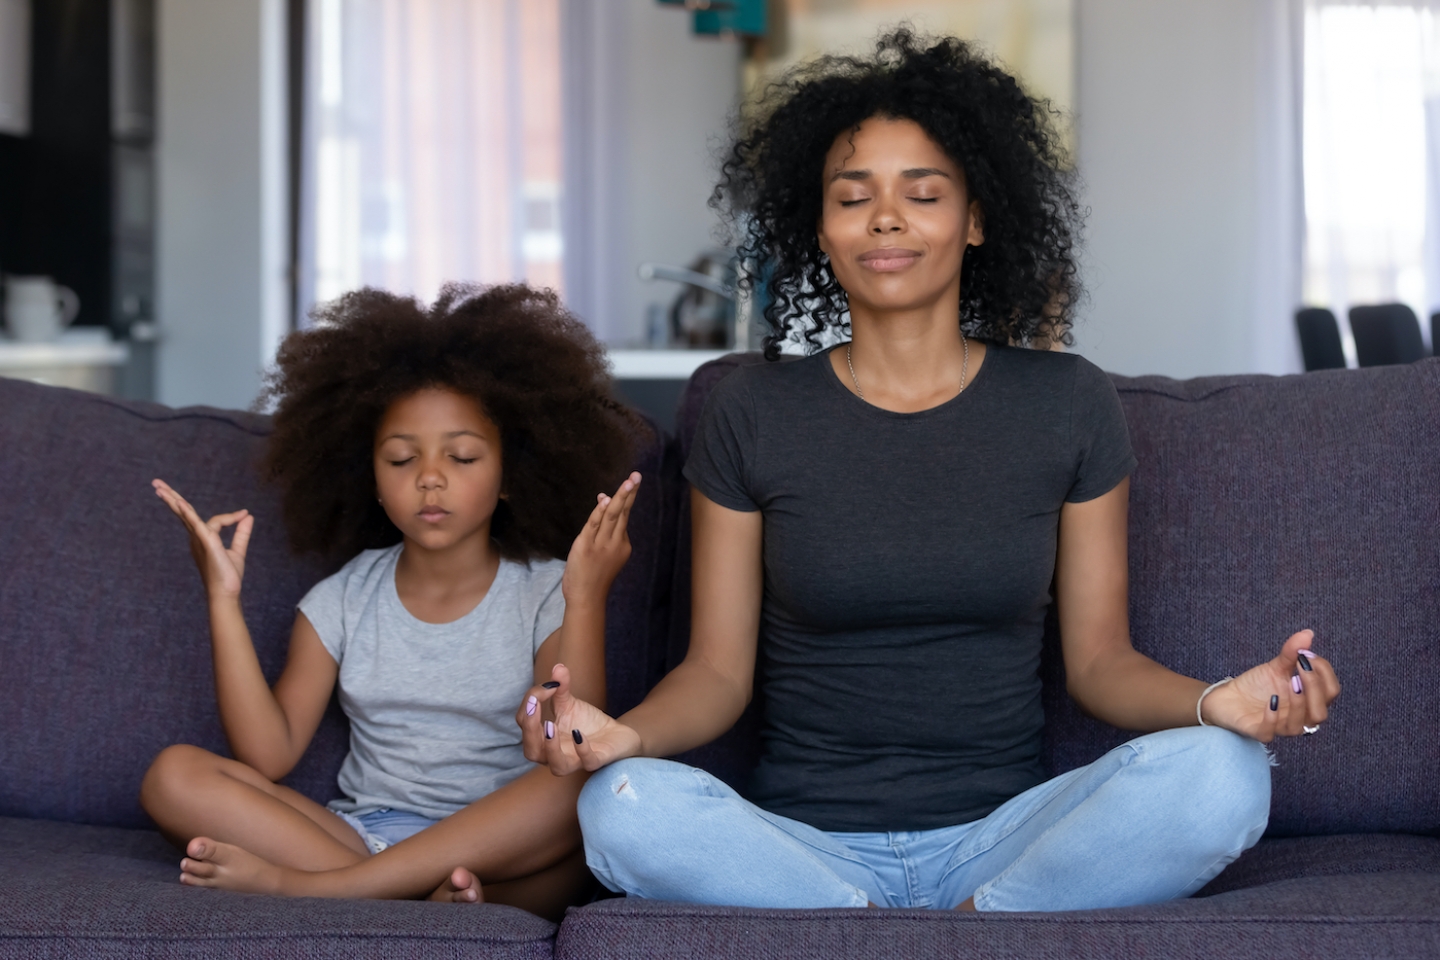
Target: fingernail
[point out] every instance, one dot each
(1305, 664)
(549, 730)
(550, 684)
(578, 739)
(1307, 654)
(530, 706)
(1275, 702)
(1295, 684)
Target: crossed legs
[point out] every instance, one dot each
(240, 831)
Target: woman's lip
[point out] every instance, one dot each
(889, 258)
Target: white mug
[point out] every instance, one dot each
(38, 309)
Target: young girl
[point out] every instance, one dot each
(454, 453)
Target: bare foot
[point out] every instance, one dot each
(967, 907)
(461, 886)
(209, 863)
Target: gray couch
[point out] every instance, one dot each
(1260, 505)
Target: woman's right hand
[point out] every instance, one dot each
(221, 567)
(581, 737)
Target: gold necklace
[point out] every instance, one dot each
(964, 367)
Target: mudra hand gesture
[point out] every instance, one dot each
(581, 737)
(1284, 697)
(221, 567)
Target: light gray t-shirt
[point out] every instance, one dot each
(431, 705)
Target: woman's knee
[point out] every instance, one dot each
(633, 798)
(1227, 778)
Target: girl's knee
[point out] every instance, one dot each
(172, 770)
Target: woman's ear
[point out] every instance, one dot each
(975, 234)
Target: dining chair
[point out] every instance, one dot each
(1319, 339)
(1386, 333)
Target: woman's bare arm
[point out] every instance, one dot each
(1115, 683)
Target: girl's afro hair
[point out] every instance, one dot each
(535, 370)
(1020, 286)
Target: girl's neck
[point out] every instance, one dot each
(440, 586)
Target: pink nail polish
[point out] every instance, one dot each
(549, 730)
(530, 706)
(1295, 684)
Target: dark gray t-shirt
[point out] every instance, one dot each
(908, 563)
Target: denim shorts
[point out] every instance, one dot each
(385, 827)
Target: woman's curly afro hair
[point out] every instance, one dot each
(1020, 286)
(535, 370)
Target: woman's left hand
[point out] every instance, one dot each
(1279, 698)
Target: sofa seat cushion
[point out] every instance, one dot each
(1293, 858)
(1393, 914)
(70, 891)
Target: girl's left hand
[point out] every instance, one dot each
(1279, 698)
(602, 547)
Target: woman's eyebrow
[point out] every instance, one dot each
(850, 175)
(915, 173)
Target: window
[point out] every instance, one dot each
(432, 147)
(1372, 155)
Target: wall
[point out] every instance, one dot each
(1172, 152)
(640, 196)
(221, 201)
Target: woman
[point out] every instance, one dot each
(882, 523)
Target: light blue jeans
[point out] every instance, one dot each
(1150, 821)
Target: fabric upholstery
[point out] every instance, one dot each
(1321, 918)
(104, 636)
(78, 892)
(1265, 505)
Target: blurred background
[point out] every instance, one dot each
(182, 180)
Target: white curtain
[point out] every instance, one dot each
(432, 147)
(1371, 154)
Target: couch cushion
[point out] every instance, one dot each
(104, 638)
(1261, 506)
(1265, 505)
(1327, 918)
(78, 891)
(1294, 858)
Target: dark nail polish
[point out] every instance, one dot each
(578, 739)
(1305, 664)
(550, 684)
(1275, 702)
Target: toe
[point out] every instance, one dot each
(201, 848)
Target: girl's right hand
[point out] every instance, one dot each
(581, 737)
(221, 567)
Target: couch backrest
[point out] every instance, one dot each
(104, 640)
(1262, 506)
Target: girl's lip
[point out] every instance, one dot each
(434, 513)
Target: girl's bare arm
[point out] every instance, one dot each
(702, 697)
(267, 730)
